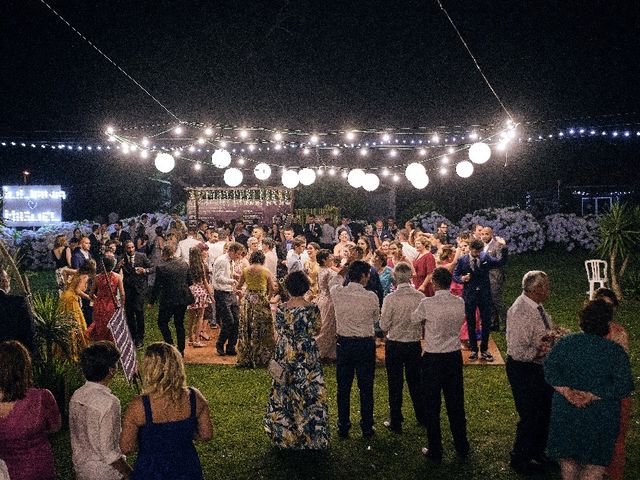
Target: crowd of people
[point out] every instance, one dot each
(292, 298)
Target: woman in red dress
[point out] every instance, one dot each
(424, 265)
(105, 287)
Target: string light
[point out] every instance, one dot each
(208, 131)
(178, 130)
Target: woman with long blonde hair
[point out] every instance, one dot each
(162, 423)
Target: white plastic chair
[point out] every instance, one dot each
(596, 273)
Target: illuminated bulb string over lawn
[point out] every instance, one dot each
(319, 153)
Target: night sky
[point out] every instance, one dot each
(321, 65)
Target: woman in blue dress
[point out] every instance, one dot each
(590, 375)
(296, 415)
(162, 424)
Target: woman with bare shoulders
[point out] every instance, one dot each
(162, 423)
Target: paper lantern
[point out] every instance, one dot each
(356, 177)
(165, 162)
(370, 182)
(479, 153)
(464, 169)
(290, 178)
(420, 182)
(233, 177)
(415, 170)
(221, 158)
(307, 176)
(262, 171)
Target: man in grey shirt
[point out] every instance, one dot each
(402, 349)
(357, 310)
(443, 316)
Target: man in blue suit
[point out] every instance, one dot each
(472, 271)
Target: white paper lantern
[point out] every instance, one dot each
(262, 171)
(233, 177)
(221, 158)
(165, 162)
(356, 177)
(307, 176)
(370, 182)
(479, 153)
(464, 169)
(420, 182)
(290, 178)
(415, 170)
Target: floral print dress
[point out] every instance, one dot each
(297, 414)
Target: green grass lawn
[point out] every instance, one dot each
(238, 397)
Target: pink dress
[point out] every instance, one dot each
(24, 445)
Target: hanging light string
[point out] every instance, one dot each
(475, 62)
(110, 60)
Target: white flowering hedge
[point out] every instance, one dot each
(35, 246)
(572, 231)
(521, 230)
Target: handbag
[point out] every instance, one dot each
(277, 371)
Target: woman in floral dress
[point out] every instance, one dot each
(296, 417)
(202, 293)
(255, 337)
(326, 340)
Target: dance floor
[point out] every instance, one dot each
(208, 355)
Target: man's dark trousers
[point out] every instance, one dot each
(228, 315)
(480, 299)
(403, 358)
(134, 309)
(165, 313)
(532, 397)
(442, 372)
(355, 356)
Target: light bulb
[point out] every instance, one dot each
(208, 131)
(178, 130)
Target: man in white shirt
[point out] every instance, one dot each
(408, 251)
(294, 260)
(185, 245)
(527, 326)
(402, 347)
(443, 316)
(94, 418)
(357, 310)
(270, 257)
(227, 309)
(216, 243)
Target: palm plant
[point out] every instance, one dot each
(620, 233)
(54, 335)
(54, 331)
